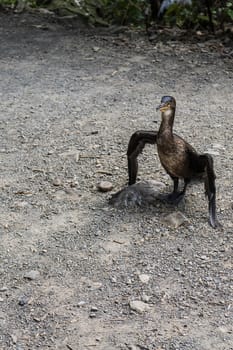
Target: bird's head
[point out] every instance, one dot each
(167, 103)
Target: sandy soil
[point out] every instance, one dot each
(71, 265)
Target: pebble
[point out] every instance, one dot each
(105, 186)
(204, 257)
(132, 347)
(94, 309)
(145, 298)
(144, 278)
(218, 146)
(175, 219)
(223, 329)
(19, 347)
(213, 152)
(3, 289)
(138, 306)
(57, 182)
(81, 303)
(32, 275)
(95, 285)
(14, 338)
(23, 300)
(77, 156)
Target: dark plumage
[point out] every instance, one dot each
(178, 157)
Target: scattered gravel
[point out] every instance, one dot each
(71, 97)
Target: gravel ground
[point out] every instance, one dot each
(75, 272)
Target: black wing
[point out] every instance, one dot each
(136, 144)
(204, 164)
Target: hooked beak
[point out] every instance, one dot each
(158, 108)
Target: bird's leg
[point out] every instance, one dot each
(182, 193)
(176, 196)
(136, 144)
(170, 197)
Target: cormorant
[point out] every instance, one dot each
(178, 157)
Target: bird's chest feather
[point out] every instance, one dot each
(172, 156)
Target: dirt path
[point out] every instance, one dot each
(69, 102)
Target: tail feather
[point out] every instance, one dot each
(210, 189)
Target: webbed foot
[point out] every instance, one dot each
(215, 224)
(171, 198)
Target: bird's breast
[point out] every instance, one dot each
(173, 158)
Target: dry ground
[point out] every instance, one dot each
(70, 99)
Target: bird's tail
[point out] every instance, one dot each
(210, 188)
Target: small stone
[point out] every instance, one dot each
(32, 275)
(176, 268)
(1, 300)
(132, 347)
(204, 257)
(213, 152)
(175, 219)
(145, 298)
(96, 48)
(97, 233)
(19, 347)
(23, 300)
(138, 306)
(223, 329)
(57, 182)
(95, 285)
(218, 146)
(81, 303)
(105, 186)
(92, 315)
(94, 309)
(3, 289)
(14, 338)
(77, 157)
(73, 184)
(144, 278)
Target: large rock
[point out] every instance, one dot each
(175, 219)
(141, 193)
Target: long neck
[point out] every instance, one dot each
(167, 121)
